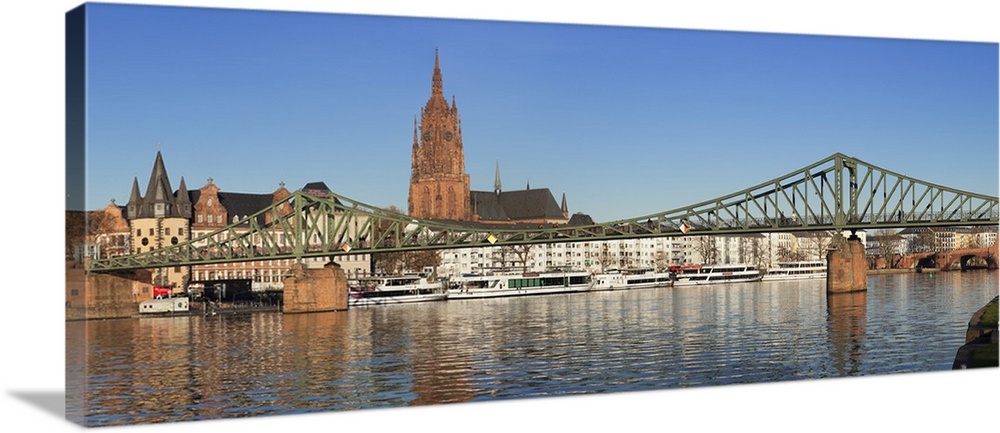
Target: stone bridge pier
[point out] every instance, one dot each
(847, 267)
(315, 290)
(104, 296)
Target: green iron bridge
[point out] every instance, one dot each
(836, 193)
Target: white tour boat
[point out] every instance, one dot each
(528, 283)
(714, 274)
(160, 305)
(632, 279)
(806, 270)
(394, 290)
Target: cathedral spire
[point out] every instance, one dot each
(437, 88)
(496, 181)
(563, 207)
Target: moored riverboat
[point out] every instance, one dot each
(631, 279)
(164, 306)
(528, 283)
(803, 270)
(697, 275)
(400, 289)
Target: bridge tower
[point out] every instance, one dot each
(160, 219)
(439, 186)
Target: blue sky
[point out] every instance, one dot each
(625, 120)
(33, 51)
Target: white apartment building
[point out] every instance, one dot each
(762, 250)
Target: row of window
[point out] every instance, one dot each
(166, 231)
(212, 218)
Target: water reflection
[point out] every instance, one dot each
(190, 368)
(846, 316)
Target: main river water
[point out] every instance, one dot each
(149, 370)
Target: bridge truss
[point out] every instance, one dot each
(836, 193)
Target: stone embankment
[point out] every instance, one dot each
(980, 349)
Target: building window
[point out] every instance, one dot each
(138, 232)
(210, 219)
(180, 232)
(201, 218)
(166, 231)
(151, 231)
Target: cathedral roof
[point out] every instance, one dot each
(515, 205)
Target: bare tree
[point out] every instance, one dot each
(922, 241)
(888, 244)
(522, 253)
(816, 243)
(708, 249)
(397, 262)
(756, 252)
(790, 254)
(660, 261)
(605, 257)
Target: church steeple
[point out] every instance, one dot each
(563, 207)
(437, 87)
(496, 182)
(439, 187)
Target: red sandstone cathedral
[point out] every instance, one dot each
(439, 186)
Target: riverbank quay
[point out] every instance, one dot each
(211, 308)
(889, 271)
(980, 349)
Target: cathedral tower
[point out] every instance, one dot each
(439, 186)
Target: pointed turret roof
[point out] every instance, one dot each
(134, 200)
(184, 207)
(158, 192)
(496, 182)
(158, 189)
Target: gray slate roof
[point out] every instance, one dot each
(515, 205)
